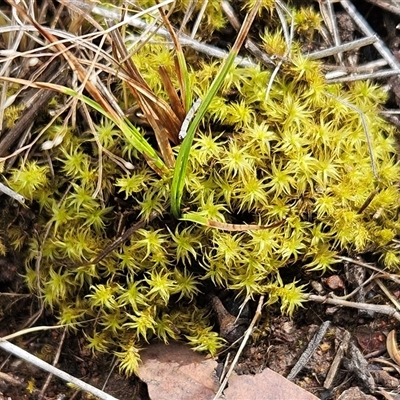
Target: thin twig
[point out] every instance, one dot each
(40, 99)
(249, 44)
(5, 70)
(280, 9)
(388, 294)
(387, 5)
(385, 274)
(358, 288)
(224, 370)
(14, 195)
(184, 39)
(242, 345)
(198, 19)
(355, 44)
(188, 14)
(331, 23)
(289, 40)
(124, 237)
(381, 309)
(17, 351)
(34, 329)
(369, 67)
(114, 364)
(390, 112)
(93, 130)
(386, 362)
(336, 361)
(363, 77)
(368, 31)
(22, 296)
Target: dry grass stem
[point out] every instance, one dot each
(388, 294)
(343, 47)
(368, 31)
(329, 17)
(249, 44)
(381, 309)
(337, 360)
(246, 337)
(18, 352)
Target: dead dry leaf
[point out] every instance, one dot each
(268, 385)
(176, 372)
(370, 338)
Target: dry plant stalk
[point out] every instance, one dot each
(246, 337)
(17, 351)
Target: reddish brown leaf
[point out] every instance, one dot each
(268, 385)
(176, 372)
(369, 338)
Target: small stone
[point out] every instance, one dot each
(335, 282)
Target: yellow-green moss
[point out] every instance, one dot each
(296, 157)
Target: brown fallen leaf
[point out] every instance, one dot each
(268, 385)
(176, 372)
(369, 338)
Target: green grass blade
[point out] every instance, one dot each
(178, 181)
(188, 98)
(131, 133)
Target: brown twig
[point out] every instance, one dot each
(381, 309)
(125, 236)
(336, 361)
